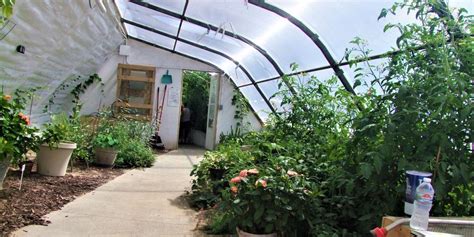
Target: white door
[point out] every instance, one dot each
(212, 111)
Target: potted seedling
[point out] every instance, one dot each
(55, 152)
(105, 148)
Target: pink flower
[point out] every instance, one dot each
(291, 173)
(24, 117)
(243, 173)
(261, 182)
(236, 180)
(252, 171)
(234, 189)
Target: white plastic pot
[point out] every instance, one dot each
(4, 164)
(105, 156)
(242, 233)
(53, 162)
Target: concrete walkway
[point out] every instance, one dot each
(138, 203)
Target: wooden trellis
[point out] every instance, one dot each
(135, 87)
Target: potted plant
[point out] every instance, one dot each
(105, 147)
(55, 151)
(16, 136)
(267, 201)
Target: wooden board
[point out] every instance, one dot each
(137, 67)
(399, 231)
(127, 73)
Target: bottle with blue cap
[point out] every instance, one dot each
(422, 205)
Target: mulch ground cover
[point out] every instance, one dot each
(41, 195)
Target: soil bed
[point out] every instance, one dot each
(41, 195)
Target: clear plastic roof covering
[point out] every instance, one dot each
(254, 42)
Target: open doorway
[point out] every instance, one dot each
(195, 106)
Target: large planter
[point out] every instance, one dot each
(105, 156)
(4, 164)
(242, 233)
(53, 162)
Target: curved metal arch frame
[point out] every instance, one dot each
(176, 38)
(196, 59)
(216, 29)
(313, 36)
(213, 28)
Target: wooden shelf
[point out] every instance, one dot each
(134, 78)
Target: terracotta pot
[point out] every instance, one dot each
(4, 164)
(53, 162)
(242, 233)
(105, 156)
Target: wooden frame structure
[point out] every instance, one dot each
(135, 102)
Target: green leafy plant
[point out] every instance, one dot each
(134, 153)
(78, 84)
(6, 8)
(16, 134)
(129, 137)
(57, 131)
(105, 141)
(242, 107)
(416, 113)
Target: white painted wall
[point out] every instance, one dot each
(143, 54)
(225, 117)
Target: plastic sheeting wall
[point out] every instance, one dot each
(63, 39)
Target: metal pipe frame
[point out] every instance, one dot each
(313, 36)
(215, 28)
(176, 38)
(180, 24)
(193, 58)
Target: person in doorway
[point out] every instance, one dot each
(185, 123)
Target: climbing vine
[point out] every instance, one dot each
(241, 107)
(79, 88)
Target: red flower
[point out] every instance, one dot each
(7, 97)
(236, 179)
(243, 173)
(261, 182)
(234, 189)
(252, 171)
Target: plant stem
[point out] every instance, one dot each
(437, 163)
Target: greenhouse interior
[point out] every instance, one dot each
(237, 118)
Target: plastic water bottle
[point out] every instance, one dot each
(422, 205)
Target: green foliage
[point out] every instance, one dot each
(214, 171)
(56, 131)
(108, 135)
(105, 141)
(417, 114)
(132, 138)
(16, 136)
(242, 107)
(134, 153)
(196, 95)
(6, 10)
(81, 134)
